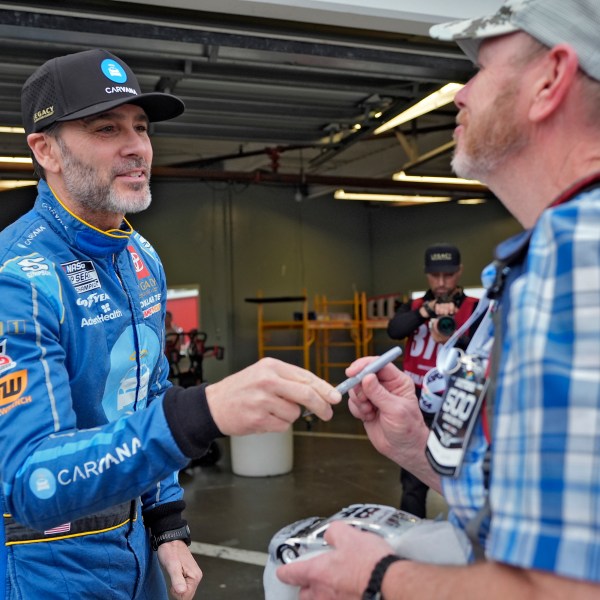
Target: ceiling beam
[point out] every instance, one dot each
(268, 177)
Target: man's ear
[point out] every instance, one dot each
(44, 149)
(557, 74)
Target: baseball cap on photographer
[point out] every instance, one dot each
(442, 258)
(551, 22)
(87, 83)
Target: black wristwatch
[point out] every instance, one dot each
(373, 591)
(182, 533)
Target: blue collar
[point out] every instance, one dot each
(77, 232)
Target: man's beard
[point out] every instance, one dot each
(489, 139)
(85, 185)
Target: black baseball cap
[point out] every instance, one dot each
(442, 258)
(87, 83)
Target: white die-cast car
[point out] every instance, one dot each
(306, 536)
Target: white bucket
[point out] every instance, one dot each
(262, 454)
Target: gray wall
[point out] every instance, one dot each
(235, 240)
(400, 236)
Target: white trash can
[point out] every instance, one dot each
(262, 454)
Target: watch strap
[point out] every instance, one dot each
(373, 591)
(430, 312)
(181, 533)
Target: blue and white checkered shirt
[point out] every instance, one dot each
(545, 484)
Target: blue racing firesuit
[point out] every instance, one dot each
(84, 469)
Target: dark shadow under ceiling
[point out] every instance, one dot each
(277, 98)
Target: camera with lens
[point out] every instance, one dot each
(446, 324)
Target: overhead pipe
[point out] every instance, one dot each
(17, 170)
(268, 177)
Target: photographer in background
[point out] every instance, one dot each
(427, 323)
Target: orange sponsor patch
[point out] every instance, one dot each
(12, 386)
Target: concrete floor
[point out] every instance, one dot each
(234, 517)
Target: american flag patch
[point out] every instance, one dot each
(64, 528)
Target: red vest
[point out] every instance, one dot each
(421, 350)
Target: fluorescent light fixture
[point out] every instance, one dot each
(10, 184)
(5, 129)
(440, 98)
(398, 198)
(471, 201)
(402, 176)
(15, 159)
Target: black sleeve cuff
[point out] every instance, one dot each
(189, 419)
(165, 517)
(403, 324)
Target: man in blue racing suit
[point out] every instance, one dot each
(92, 434)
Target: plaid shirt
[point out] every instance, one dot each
(545, 484)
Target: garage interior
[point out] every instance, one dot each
(284, 101)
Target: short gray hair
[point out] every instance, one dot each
(52, 130)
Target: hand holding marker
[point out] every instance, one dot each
(373, 367)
